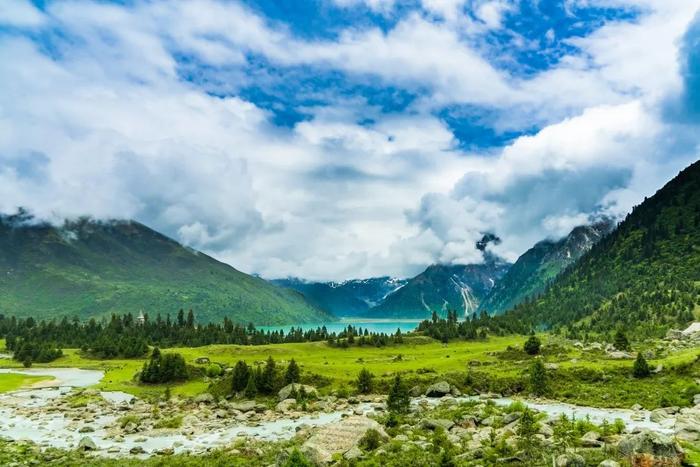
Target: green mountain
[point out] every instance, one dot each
(441, 288)
(87, 269)
(351, 298)
(539, 265)
(644, 276)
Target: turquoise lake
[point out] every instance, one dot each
(378, 326)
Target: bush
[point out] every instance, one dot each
(170, 422)
(641, 367)
(532, 345)
(371, 440)
(297, 459)
(214, 370)
(365, 381)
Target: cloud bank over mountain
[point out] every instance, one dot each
(346, 138)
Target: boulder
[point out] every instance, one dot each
(415, 391)
(353, 453)
(619, 355)
(244, 406)
(609, 463)
(286, 405)
(137, 450)
(86, 429)
(511, 417)
(659, 415)
(687, 426)
(591, 440)
(653, 448)
(438, 389)
(285, 392)
(204, 398)
(570, 460)
(434, 423)
(339, 438)
(87, 444)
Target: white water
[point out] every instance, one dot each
(54, 429)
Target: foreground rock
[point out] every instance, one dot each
(339, 438)
(649, 448)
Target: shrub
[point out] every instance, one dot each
(164, 368)
(170, 422)
(532, 345)
(641, 367)
(371, 440)
(365, 381)
(214, 370)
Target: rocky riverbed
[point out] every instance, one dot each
(116, 424)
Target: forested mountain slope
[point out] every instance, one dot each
(539, 265)
(645, 275)
(88, 268)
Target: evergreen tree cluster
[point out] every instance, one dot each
(265, 380)
(123, 336)
(164, 368)
(478, 326)
(31, 351)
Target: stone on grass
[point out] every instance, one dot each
(434, 423)
(286, 392)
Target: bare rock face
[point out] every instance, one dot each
(339, 438)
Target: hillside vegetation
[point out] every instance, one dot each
(88, 269)
(644, 276)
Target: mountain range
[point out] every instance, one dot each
(87, 268)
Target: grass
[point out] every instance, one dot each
(13, 382)
(585, 378)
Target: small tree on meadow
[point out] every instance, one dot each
(293, 374)
(399, 400)
(641, 367)
(621, 342)
(538, 378)
(267, 380)
(241, 375)
(532, 345)
(364, 381)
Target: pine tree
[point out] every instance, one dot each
(532, 345)
(538, 378)
(621, 342)
(267, 381)
(641, 367)
(241, 374)
(251, 390)
(364, 381)
(293, 373)
(399, 400)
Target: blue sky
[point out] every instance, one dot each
(333, 139)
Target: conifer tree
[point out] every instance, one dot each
(399, 400)
(251, 389)
(538, 378)
(641, 367)
(364, 381)
(293, 373)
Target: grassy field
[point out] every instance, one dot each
(580, 377)
(13, 382)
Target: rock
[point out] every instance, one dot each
(353, 453)
(511, 417)
(285, 392)
(687, 426)
(415, 391)
(190, 420)
(489, 421)
(286, 405)
(433, 423)
(609, 463)
(201, 360)
(651, 447)
(551, 366)
(165, 452)
(87, 444)
(438, 389)
(401, 438)
(136, 450)
(636, 407)
(456, 392)
(591, 440)
(245, 406)
(619, 355)
(658, 415)
(339, 437)
(570, 460)
(86, 429)
(130, 427)
(204, 398)
(546, 431)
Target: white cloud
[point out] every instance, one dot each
(20, 13)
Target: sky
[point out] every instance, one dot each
(337, 139)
